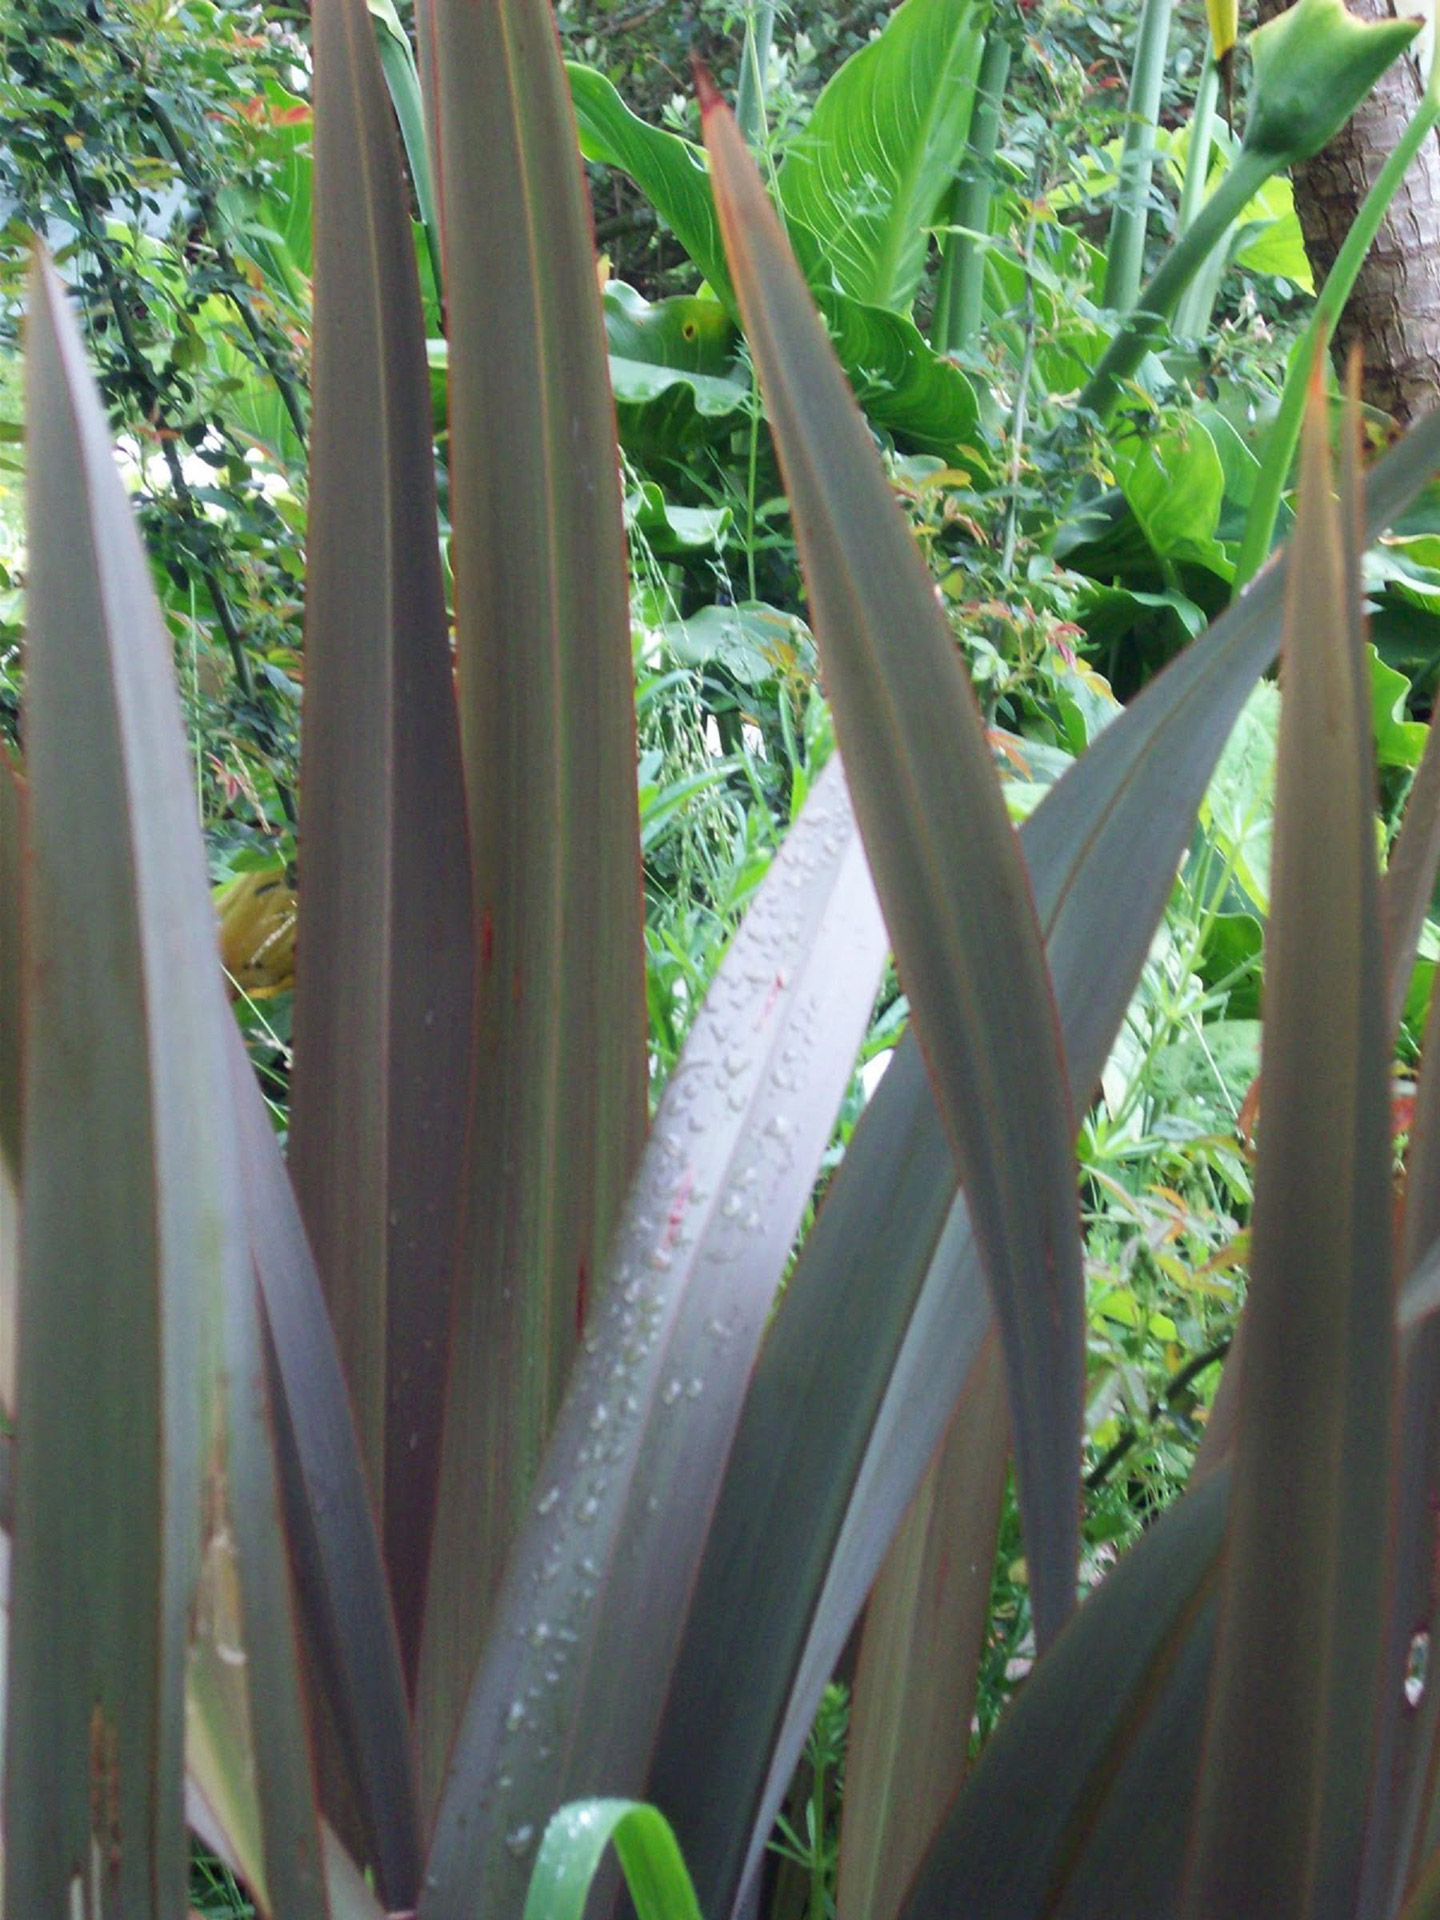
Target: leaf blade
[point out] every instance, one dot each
(958, 905)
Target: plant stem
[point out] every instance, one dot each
(1125, 253)
(1284, 433)
(754, 64)
(1020, 418)
(1144, 324)
(1202, 135)
(959, 297)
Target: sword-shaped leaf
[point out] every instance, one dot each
(576, 1671)
(1281, 1816)
(384, 996)
(140, 1388)
(330, 1524)
(1102, 849)
(10, 805)
(946, 862)
(548, 728)
(924, 1631)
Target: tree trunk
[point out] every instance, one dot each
(1394, 311)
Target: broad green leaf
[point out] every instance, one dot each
(542, 632)
(867, 173)
(10, 807)
(779, 1591)
(670, 171)
(1291, 1715)
(140, 1386)
(1175, 486)
(687, 332)
(902, 384)
(384, 993)
(1399, 741)
(1239, 806)
(900, 381)
(576, 1670)
(574, 1845)
(924, 1629)
(1079, 1803)
(947, 866)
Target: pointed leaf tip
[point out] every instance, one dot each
(709, 94)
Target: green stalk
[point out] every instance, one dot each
(1285, 432)
(959, 296)
(1192, 315)
(754, 64)
(1202, 138)
(1125, 254)
(1145, 322)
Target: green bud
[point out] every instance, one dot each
(1311, 68)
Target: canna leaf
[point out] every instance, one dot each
(1282, 1803)
(383, 1004)
(956, 898)
(867, 172)
(576, 1670)
(542, 631)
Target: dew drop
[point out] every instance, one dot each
(587, 1509)
(670, 1393)
(695, 1388)
(519, 1840)
(515, 1717)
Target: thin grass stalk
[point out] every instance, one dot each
(754, 65)
(1284, 434)
(1125, 252)
(960, 295)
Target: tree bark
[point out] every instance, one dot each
(1394, 311)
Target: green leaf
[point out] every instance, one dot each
(383, 1002)
(957, 903)
(687, 332)
(402, 81)
(670, 172)
(546, 681)
(898, 378)
(867, 173)
(753, 643)
(570, 1855)
(140, 1386)
(1175, 486)
(1292, 1705)
(575, 1673)
(1399, 742)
